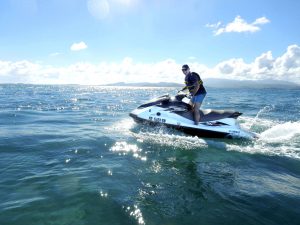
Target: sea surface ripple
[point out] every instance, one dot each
(70, 154)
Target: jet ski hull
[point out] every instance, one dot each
(187, 130)
(224, 128)
(176, 113)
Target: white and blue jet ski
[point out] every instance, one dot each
(176, 112)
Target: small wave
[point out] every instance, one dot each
(265, 109)
(161, 135)
(261, 148)
(124, 148)
(279, 139)
(281, 132)
(257, 125)
(172, 140)
(20, 203)
(122, 127)
(274, 139)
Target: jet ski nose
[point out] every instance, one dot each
(235, 115)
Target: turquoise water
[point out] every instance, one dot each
(72, 155)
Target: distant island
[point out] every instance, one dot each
(217, 83)
(226, 83)
(146, 84)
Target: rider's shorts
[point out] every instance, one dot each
(198, 98)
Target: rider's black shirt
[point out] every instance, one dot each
(190, 79)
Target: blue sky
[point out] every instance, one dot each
(86, 41)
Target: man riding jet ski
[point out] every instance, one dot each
(176, 112)
(197, 90)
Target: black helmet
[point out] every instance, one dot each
(185, 67)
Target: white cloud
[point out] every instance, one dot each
(78, 46)
(265, 66)
(261, 20)
(234, 68)
(239, 25)
(264, 62)
(291, 59)
(285, 67)
(87, 73)
(214, 26)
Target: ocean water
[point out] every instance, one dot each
(71, 155)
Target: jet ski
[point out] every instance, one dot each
(176, 112)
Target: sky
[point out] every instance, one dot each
(96, 42)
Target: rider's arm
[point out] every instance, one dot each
(184, 88)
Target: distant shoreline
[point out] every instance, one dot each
(217, 83)
(210, 83)
(145, 84)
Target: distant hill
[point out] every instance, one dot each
(218, 83)
(225, 83)
(146, 84)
